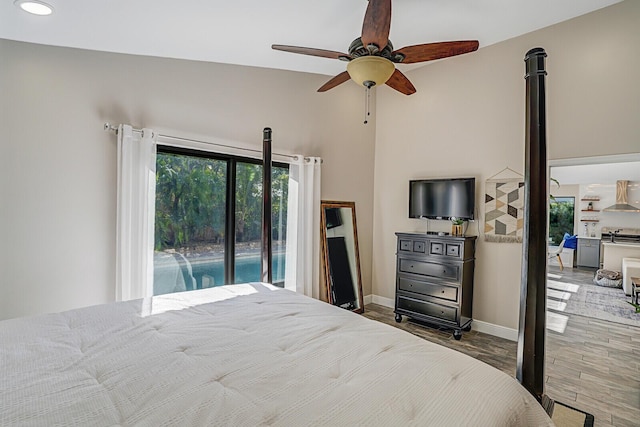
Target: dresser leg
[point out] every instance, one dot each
(457, 334)
(398, 318)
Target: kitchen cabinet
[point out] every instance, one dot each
(588, 252)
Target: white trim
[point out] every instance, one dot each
(383, 301)
(594, 160)
(476, 325)
(495, 330)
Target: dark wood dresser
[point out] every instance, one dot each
(434, 280)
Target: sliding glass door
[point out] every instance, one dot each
(208, 220)
(248, 214)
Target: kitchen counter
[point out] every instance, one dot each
(614, 252)
(589, 237)
(622, 244)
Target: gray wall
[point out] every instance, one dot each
(467, 119)
(58, 167)
(58, 177)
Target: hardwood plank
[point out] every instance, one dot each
(581, 365)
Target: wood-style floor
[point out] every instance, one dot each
(594, 365)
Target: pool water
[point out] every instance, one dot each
(211, 272)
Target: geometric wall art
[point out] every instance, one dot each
(504, 210)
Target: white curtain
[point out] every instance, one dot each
(303, 226)
(135, 213)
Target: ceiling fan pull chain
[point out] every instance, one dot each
(367, 101)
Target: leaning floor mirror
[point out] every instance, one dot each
(339, 239)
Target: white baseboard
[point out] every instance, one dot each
(477, 325)
(495, 330)
(383, 301)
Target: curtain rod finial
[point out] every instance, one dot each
(108, 126)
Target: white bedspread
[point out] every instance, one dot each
(242, 355)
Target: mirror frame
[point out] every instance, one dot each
(324, 204)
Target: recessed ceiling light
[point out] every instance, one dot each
(34, 6)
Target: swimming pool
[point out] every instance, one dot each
(210, 272)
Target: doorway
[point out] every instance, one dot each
(581, 189)
(592, 330)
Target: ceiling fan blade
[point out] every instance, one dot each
(431, 51)
(337, 80)
(377, 23)
(311, 51)
(401, 83)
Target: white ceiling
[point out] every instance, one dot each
(597, 174)
(242, 31)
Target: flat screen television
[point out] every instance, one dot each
(442, 198)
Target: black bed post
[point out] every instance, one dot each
(533, 287)
(266, 207)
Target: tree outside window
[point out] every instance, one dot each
(561, 218)
(208, 220)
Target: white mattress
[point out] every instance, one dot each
(242, 355)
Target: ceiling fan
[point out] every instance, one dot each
(372, 58)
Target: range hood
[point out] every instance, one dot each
(622, 205)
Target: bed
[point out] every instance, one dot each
(242, 355)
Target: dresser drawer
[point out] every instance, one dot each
(443, 271)
(418, 246)
(445, 292)
(448, 249)
(453, 250)
(436, 248)
(428, 308)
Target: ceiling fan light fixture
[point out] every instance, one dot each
(34, 7)
(370, 70)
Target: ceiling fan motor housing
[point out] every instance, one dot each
(357, 49)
